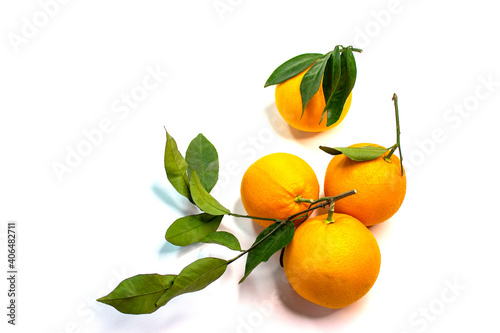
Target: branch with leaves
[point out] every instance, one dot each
(193, 176)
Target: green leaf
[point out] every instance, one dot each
(192, 229)
(335, 103)
(203, 199)
(202, 157)
(176, 168)
(312, 80)
(332, 74)
(366, 153)
(270, 240)
(223, 238)
(139, 294)
(292, 67)
(194, 277)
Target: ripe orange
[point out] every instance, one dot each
(289, 104)
(332, 264)
(272, 183)
(379, 184)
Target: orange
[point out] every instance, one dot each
(332, 264)
(270, 186)
(379, 184)
(289, 104)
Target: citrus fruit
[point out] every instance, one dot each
(270, 186)
(332, 264)
(289, 104)
(379, 184)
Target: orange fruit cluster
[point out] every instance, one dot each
(333, 260)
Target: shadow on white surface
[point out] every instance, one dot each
(173, 199)
(296, 303)
(247, 227)
(381, 230)
(168, 248)
(281, 127)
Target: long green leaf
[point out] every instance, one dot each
(192, 229)
(279, 237)
(312, 80)
(194, 277)
(292, 67)
(351, 69)
(359, 154)
(223, 238)
(336, 102)
(139, 294)
(203, 199)
(202, 157)
(332, 74)
(176, 168)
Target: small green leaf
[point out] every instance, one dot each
(223, 238)
(360, 154)
(203, 199)
(192, 229)
(335, 103)
(194, 277)
(312, 80)
(139, 294)
(202, 157)
(176, 167)
(292, 67)
(279, 237)
(332, 74)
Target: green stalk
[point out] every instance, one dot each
(353, 49)
(253, 217)
(398, 136)
(329, 217)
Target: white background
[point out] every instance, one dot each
(103, 219)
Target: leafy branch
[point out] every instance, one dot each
(194, 177)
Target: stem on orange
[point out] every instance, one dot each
(300, 199)
(329, 217)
